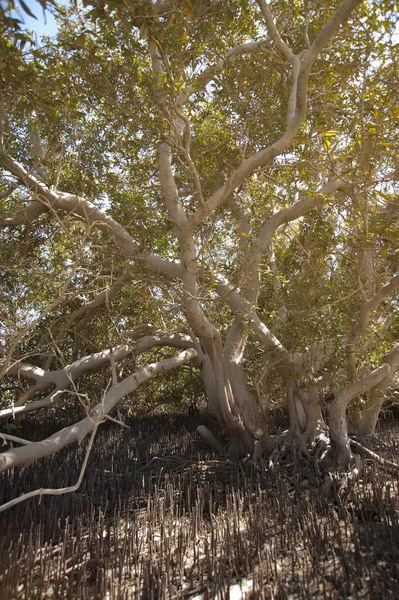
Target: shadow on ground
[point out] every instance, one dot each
(160, 517)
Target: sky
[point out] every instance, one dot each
(43, 25)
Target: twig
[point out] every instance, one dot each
(56, 491)
(12, 438)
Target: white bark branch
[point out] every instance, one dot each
(57, 491)
(78, 431)
(70, 203)
(273, 32)
(210, 72)
(338, 424)
(62, 379)
(371, 305)
(299, 86)
(328, 31)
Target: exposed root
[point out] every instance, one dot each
(210, 438)
(362, 450)
(266, 446)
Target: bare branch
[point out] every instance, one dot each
(210, 72)
(273, 32)
(70, 203)
(12, 438)
(328, 31)
(169, 188)
(99, 300)
(78, 431)
(56, 491)
(371, 305)
(25, 215)
(245, 311)
(299, 87)
(291, 213)
(62, 379)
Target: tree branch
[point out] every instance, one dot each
(299, 86)
(273, 32)
(57, 491)
(78, 431)
(371, 305)
(340, 17)
(62, 379)
(70, 203)
(210, 72)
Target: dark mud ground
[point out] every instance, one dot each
(159, 516)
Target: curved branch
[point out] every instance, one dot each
(70, 203)
(56, 491)
(269, 228)
(371, 305)
(244, 310)
(273, 32)
(209, 73)
(338, 426)
(340, 17)
(62, 379)
(78, 431)
(25, 215)
(299, 87)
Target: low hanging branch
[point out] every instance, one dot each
(56, 491)
(77, 432)
(62, 379)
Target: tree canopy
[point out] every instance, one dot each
(217, 177)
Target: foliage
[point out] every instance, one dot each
(88, 113)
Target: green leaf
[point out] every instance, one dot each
(26, 9)
(81, 40)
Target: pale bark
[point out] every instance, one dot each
(224, 377)
(340, 449)
(250, 411)
(216, 377)
(367, 307)
(78, 431)
(295, 115)
(269, 228)
(63, 378)
(56, 491)
(273, 32)
(51, 199)
(371, 305)
(371, 410)
(201, 80)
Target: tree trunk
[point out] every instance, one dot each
(370, 412)
(368, 417)
(340, 453)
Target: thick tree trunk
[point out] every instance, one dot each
(369, 415)
(340, 453)
(233, 418)
(305, 415)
